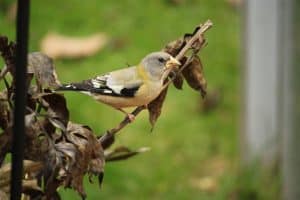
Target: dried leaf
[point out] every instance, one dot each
(194, 76)
(5, 141)
(78, 134)
(78, 154)
(155, 106)
(60, 46)
(122, 153)
(42, 67)
(206, 184)
(8, 52)
(178, 80)
(31, 188)
(67, 154)
(3, 195)
(4, 111)
(56, 106)
(211, 100)
(30, 167)
(11, 12)
(174, 47)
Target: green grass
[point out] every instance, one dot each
(186, 143)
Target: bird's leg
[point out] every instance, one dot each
(130, 116)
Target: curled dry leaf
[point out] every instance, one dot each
(43, 69)
(194, 76)
(122, 153)
(155, 106)
(67, 150)
(60, 46)
(8, 52)
(174, 47)
(178, 80)
(56, 106)
(79, 153)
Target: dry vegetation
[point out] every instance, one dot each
(59, 153)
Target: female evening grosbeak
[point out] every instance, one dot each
(129, 87)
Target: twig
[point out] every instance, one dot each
(197, 37)
(3, 72)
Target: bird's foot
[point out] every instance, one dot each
(131, 117)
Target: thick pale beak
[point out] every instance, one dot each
(172, 63)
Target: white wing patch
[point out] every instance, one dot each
(96, 83)
(117, 88)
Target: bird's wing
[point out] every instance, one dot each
(119, 83)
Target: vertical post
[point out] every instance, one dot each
(20, 99)
(260, 132)
(291, 100)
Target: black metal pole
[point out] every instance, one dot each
(20, 99)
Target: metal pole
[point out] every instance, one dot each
(262, 81)
(20, 99)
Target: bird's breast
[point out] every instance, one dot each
(145, 94)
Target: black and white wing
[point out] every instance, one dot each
(120, 83)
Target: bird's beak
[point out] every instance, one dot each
(172, 62)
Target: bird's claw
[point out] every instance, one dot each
(131, 117)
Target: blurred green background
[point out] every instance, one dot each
(194, 154)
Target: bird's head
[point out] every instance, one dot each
(159, 65)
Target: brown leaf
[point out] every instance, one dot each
(30, 167)
(79, 153)
(3, 195)
(4, 111)
(155, 106)
(60, 46)
(56, 106)
(194, 76)
(79, 135)
(5, 141)
(122, 153)
(211, 100)
(11, 12)
(174, 47)
(31, 188)
(178, 80)
(8, 52)
(43, 69)
(206, 184)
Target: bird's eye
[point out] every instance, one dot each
(161, 60)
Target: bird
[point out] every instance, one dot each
(131, 86)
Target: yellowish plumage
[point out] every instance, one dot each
(129, 87)
(148, 91)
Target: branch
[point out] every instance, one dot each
(196, 38)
